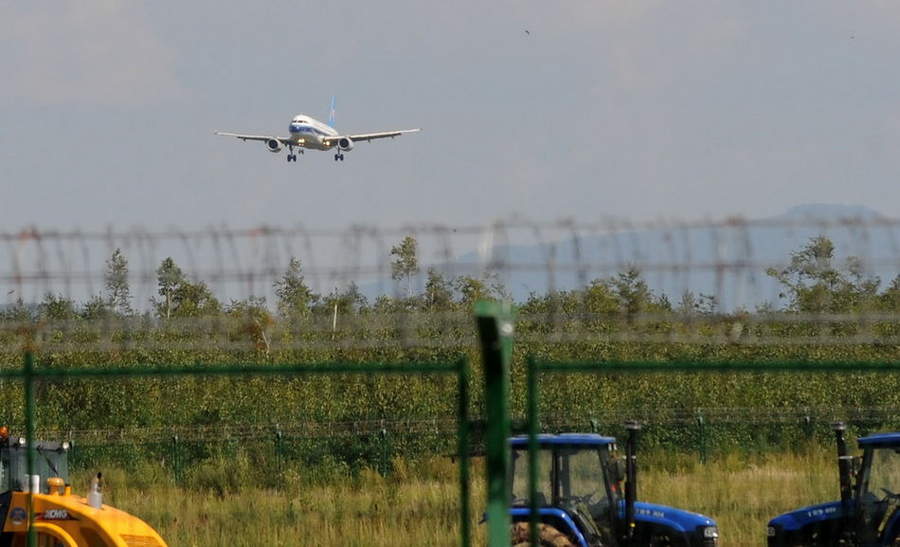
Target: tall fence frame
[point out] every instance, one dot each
(30, 374)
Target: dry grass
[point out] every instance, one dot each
(417, 504)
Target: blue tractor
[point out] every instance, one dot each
(581, 500)
(867, 513)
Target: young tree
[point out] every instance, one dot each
(813, 283)
(294, 296)
(406, 263)
(181, 297)
(118, 293)
(169, 277)
(252, 320)
(56, 308)
(632, 292)
(438, 292)
(471, 289)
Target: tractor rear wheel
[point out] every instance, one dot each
(548, 536)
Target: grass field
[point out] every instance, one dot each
(418, 503)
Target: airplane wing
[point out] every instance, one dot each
(283, 140)
(371, 136)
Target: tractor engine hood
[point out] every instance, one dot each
(797, 519)
(670, 517)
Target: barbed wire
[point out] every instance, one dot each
(709, 282)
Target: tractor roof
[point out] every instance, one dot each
(880, 440)
(588, 439)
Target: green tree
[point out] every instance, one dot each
(471, 289)
(118, 293)
(253, 320)
(632, 292)
(890, 298)
(406, 263)
(168, 276)
(349, 300)
(56, 308)
(294, 297)
(95, 308)
(814, 283)
(182, 297)
(438, 292)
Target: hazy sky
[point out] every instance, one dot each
(634, 109)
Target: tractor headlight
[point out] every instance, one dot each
(65, 445)
(711, 535)
(770, 531)
(22, 441)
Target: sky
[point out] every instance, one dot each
(637, 110)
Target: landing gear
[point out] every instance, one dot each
(291, 155)
(339, 156)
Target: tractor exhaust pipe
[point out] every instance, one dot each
(844, 461)
(630, 478)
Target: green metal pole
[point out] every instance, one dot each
(462, 437)
(495, 331)
(176, 470)
(701, 430)
(29, 438)
(533, 371)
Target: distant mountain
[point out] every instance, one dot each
(830, 211)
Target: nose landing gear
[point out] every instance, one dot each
(291, 156)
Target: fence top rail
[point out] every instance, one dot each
(715, 366)
(269, 288)
(324, 368)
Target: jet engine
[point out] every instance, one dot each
(345, 144)
(274, 145)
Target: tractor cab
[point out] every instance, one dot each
(42, 502)
(868, 513)
(586, 497)
(50, 460)
(878, 489)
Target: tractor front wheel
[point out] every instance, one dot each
(548, 536)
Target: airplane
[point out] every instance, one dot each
(308, 132)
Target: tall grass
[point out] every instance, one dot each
(417, 504)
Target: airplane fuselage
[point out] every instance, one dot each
(308, 132)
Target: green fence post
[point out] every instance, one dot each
(175, 467)
(279, 449)
(462, 437)
(701, 432)
(533, 426)
(495, 330)
(28, 373)
(808, 427)
(382, 436)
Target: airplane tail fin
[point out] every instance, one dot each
(331, 113)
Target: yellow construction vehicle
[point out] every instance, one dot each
(44, 502)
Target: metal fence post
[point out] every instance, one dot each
(701, 432)
(382, 436)
(533, 430)
(279, 448)
(462, 437)
(495, 331)
(28, 373)
(175, 464)
(808, 427)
